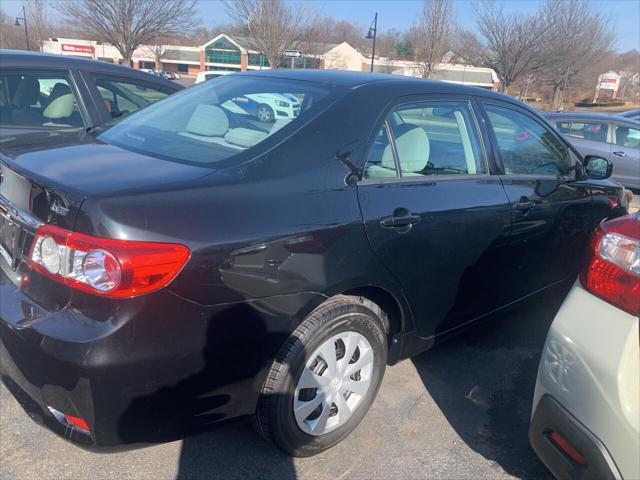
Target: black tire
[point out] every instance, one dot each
(268, 116)
(274, 418)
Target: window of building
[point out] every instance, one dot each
(222, 51)
(258, 59)
(182, 68)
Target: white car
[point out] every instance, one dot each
(586, 409)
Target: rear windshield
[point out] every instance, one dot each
(220, 118)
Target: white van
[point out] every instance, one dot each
(209, 74)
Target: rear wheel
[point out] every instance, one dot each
(325, 377)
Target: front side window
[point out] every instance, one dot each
(526, 147)
(125, 96)
(216, 120)
(33, 99)
(431, 138)
(594, 131)
(627, 137)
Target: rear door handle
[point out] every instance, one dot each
(401, 221)
(620, 154)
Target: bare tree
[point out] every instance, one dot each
(272, 25)
(577, 41)
(127, 24)
(38, 20)
(510, 44)
(432, 33)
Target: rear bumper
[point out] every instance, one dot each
(139, 371)
(550, 417)
(590, 366)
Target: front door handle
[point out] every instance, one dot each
(524, 205)
(620, 154)
(400, 221)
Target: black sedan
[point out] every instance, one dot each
(43, 92)
(188, 265)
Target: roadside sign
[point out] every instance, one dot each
(292, 53)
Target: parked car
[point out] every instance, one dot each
(211, 74)
(608, 136)
(586, 409)
(167, 75)
(186, 266)
(42, 92)
(631, 114)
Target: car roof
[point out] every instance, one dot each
(590, 116)
(352, 79)
(23, 58)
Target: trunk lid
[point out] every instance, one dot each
(45, 177)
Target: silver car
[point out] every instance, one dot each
(612, 137)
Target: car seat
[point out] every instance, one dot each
(412, 144)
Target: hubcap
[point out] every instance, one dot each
(264, 114)
(333, 383)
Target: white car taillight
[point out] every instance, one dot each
(113, 268)
(613, 270)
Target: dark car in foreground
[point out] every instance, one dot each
(608, 136)
(190, 265)
(40, 91)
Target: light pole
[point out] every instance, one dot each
(24, 19)
(371, 34)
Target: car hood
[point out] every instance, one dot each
(79, 164)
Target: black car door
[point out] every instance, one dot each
(551, 211)
(434, 215)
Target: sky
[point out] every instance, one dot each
(400, 14)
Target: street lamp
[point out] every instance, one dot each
(24, 19)
(371, 34)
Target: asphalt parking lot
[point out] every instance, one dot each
(459, 411)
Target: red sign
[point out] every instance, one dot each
(68, 47)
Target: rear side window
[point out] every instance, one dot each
(527, 147)
(125, 96)
(216, 120)
(594, 131)
(38, 99)
(431, 138)
(627, 136)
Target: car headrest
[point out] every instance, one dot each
(27, 93)
(208, 121)
(413, 148)
(245, 137)
(61, 107)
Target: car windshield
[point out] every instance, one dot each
(219, 119)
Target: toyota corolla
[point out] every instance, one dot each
(187, 266)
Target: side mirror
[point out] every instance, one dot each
(597, 168)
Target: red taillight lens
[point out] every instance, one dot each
(613, 270)
(112, 268)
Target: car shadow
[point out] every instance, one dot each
(233, 451)
(483, 382)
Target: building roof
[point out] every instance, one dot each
(353, 79)
(184, 55)
(462, 76)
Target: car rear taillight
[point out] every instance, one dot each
(112, 268)
(613, 270)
